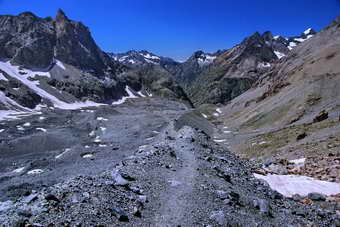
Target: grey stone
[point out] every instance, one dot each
(218, 216)
(119, 180)
(316, 196)
(6, 205)
(120, 214)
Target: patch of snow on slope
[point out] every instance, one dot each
(276, 37)
(35, 171)
(60, 64)
(41, 129)
(141, 94)
(121, 59)
(150, 56)
(307, 31)
(298, 161)
(18, 170)
(205, 59)
(123, 99)
(279, 55)
(150, 61)
(13, 71)
(289, 185)
(263, 65)
(300, 40)
(220, 141)
(291, 45)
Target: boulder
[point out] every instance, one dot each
(323, 115)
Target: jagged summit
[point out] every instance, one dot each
(61, 15)
(27, 14)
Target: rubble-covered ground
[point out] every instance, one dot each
(160, 167)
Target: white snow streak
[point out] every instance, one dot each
(279, 54)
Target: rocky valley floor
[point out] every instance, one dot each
(147, 162)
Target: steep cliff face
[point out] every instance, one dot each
(27, 40)
(75, 46)
(34, 43)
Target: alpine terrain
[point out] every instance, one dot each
(245, 136)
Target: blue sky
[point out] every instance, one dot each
(177, 28)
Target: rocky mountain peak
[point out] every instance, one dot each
(61, 16)
(198, 54)
(27, 14)
(267, 36)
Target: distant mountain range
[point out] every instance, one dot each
(45, 61)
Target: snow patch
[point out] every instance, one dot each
(20, 128)
(205, 116)
(307, 31)
(65, 151)
(298, 161)
(220, 141)
(60, 64)
(292, 45)
(27, 124)
(18, 170)
(276, 37)
(279, 55)
(13, 71)
(97, 139)
(88, 156)
(289, 185)
(150, 56)
(41, 129)
(205, 59)
(219, 110)
(141, 94)
(263, 65)
(123, 99)
(35, 171)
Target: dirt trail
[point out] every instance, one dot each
(175, 201)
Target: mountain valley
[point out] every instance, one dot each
(245, 136)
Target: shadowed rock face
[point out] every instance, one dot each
(27, 40)
(75, 46)
(34, 42)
